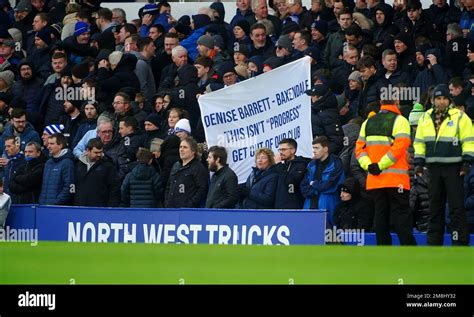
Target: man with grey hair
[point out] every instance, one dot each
(119, 16)
(179, 55)
(260, 9)
(104, 130)
(455, 50)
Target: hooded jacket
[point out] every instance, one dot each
(326, 121)
(384, 33)
(58, 178)
(122, 76)
(29, 90)
(96, 185)
(355, 213)
(431, 77)
(145, 76)
(142, 187)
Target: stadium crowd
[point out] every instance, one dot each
(96, 110)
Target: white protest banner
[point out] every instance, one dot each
(259, 112)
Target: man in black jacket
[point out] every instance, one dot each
(223, 190)
(97, 183)
(291, 170)
(26, 183)
(187, 183)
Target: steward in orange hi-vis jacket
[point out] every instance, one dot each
(382, 151)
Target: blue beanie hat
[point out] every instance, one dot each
(151, 8)
(54, 128)
(80, 28)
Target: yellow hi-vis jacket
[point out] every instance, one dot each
(453, 144)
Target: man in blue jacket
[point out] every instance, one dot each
(323, 176)
(58, 177)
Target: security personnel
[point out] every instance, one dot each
(444, 141)
(382, 151)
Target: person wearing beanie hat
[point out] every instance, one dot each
(314, 53)
(153, 119)
(6, 80)
(319, 31)
(45, 36)
(272, 63)
(244, 25)
(402, 43)
(150, 8)
(154, 128)
(79, 72)
(183, 29)
(353, 212)
(416, 114)
(321, 26)
(284, 42)
(182, 129)
(255, 66)
(227, 73)
(56, 30)
(200, 21)
(444, 142)
(80, 28)
(241, 53)
(290, 28)
(355, 76)
(206, 41)
(54, 128)
(219, 42)
(186, 20)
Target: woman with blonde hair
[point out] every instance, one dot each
(259, 190)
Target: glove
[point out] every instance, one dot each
(374, 169)
(465, 168)
(419, 170)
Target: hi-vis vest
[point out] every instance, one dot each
(454, 142)
(384, 139)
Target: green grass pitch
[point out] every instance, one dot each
(89, 263)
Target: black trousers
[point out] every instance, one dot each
(445, 182)
(392, 206)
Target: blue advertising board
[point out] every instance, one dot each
(209, 226)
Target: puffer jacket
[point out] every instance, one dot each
(142, 187)
(420, 201)
(58, 178)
